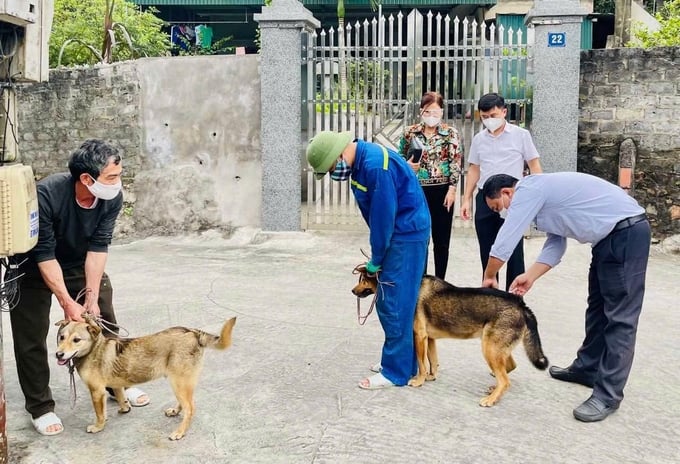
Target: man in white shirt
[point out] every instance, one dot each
(499, 148)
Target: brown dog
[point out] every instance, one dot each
(443, 310)
(176, 353)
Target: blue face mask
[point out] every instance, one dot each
(341, 172)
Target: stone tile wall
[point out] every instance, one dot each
(630, 93)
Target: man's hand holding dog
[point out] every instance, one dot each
(521, 285)
(492, 268)
(491, 283)
(91, 304)
(54, 278)
(372, 268)
(523, 282)
(73, 310)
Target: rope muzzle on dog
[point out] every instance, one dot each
(105, 325)
(362, 318)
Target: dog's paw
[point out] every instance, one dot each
(430, 377)
(176, 435)
(125, 409)
(416, 382)
(486, 402)
(490, 400)
(94, 428)
(172, 412)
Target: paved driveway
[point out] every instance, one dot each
(286, 391)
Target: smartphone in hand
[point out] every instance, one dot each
(415, 153)
(415, 150)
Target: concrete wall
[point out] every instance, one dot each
(188, 129)
(635, 93)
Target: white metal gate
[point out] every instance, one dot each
(389, 63)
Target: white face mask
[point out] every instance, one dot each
(504, 212)
(431, 121)
(104, 191)
(493, 123)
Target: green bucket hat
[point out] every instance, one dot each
(325, 148)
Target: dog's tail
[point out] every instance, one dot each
(532, 341)
(213, 341)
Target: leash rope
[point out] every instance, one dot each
(362, 319)
(72, 383)
(109, 327)
(105, 325)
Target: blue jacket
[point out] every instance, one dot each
(389, 197)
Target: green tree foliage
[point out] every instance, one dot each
(82, 23)
(604, 6)
(669, 33)
(220, 47)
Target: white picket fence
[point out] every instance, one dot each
(389, 63)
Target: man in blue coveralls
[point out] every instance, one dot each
(590, 210)
(393, 205)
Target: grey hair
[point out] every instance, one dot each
(91, 157)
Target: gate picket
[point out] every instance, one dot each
(389, 63)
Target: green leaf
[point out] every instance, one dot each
(669, 33)
(132, 32)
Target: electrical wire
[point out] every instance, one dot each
(7, 86)
(9, 284)
(9, 269)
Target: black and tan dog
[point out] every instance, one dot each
(176, 353)
(443, 310)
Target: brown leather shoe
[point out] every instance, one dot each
(567, 374)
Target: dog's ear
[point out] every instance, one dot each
(93, 328)
(62, 323)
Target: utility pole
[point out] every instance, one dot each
(622, 23)
(24, 57)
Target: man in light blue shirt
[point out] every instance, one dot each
(590, 210)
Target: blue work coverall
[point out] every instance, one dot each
(393, 205)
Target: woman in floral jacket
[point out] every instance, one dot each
(438, 171)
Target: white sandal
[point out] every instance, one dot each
(133, 394)
(41, 423)
(377, 367)
(376, 382)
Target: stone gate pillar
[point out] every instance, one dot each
(281, 84)
(554, 64)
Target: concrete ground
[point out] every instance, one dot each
(286, 391)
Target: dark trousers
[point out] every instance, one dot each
(30, 321)
(616, 287)
(441, 227)
(487, 225)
